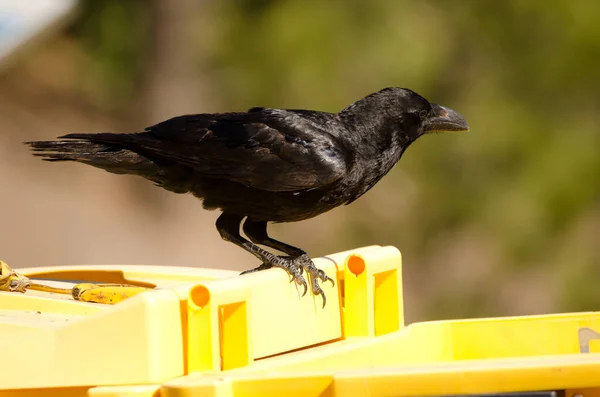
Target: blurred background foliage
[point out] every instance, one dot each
(504, 219)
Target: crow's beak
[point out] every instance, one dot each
(444, 119)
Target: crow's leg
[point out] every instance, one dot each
(257, 233)
(228, 226)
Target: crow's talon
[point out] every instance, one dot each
(292, 274)
(322, 293)
(305, 285)
(314, 274)
(294, 271)
(300, 280)
(324, 277)
(295, 266)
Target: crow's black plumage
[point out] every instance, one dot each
(267, 165)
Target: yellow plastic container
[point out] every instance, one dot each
(204, 332)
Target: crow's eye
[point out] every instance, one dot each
(422, 114)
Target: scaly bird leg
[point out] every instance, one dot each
(228, 226)
(257, 233)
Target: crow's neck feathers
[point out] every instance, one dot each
(381, 128)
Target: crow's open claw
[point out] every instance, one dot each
(294, 266)
(315, 274)
(324, 277)
(295, 272)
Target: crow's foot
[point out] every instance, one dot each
(294, 267)
(314, 274)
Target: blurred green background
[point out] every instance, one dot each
(502, 220)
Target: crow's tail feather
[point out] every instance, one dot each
(115, 153)
(102, 155)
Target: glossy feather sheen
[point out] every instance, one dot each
(268, 164)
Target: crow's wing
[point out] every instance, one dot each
(268, 149)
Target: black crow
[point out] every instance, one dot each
(267, 165)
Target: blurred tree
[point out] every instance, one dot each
(114, 35)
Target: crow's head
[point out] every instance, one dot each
(418, 115)
(405, 112)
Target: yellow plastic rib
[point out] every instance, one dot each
(373, 292)
(218, 327)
